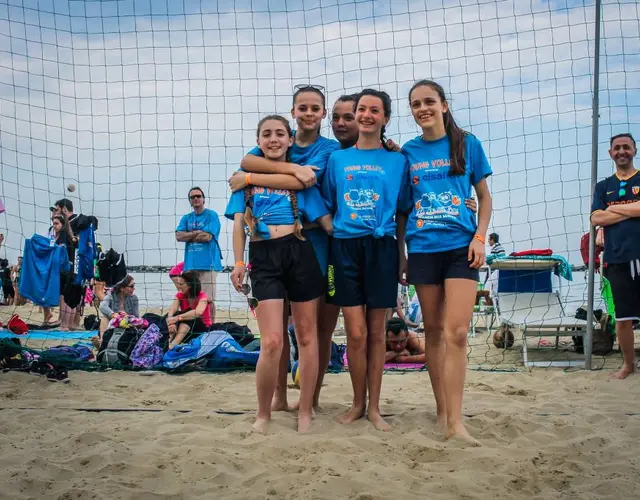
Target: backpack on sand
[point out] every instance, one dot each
(117, 346)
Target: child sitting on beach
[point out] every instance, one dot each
(190, 312)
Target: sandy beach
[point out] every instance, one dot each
(545, 433)
(548, 434)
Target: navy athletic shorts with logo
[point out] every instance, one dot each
(285, 267)
(625, 286)
(435, 268)
(363, 271)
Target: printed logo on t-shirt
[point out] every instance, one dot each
(359, 196)
(434, 208)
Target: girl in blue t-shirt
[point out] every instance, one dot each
(362, 186)
(282, 265)
(308, 157)
(445, 244)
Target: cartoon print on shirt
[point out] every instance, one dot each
(432, 207)
(361, 198)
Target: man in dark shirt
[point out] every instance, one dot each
(616, 208)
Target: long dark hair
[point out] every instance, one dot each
(249, 219)
(455, 134)
(65, 225)
(192, 280)
(117, 290)
(386, 107)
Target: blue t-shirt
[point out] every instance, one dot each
(362, 187)
(439, 220)
(316, 154)
(621, 240)
(203, 256)
(273, 206)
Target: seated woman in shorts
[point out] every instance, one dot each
(190, 312)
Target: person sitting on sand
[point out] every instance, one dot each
(190, 311)
(403, 346)
(122, 299)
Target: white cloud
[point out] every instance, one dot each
(146, 104)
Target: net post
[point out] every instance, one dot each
(588, 341)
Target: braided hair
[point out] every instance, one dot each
(249, 218)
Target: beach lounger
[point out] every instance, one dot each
(539, 315)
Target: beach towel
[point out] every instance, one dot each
(563, 269)
(41, 268)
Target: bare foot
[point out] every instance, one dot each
(458, 433)
(279, 404)
(261, 424)
(624, 372)
(304, 422)
(441, 423)
(378, 422)
(354, 413)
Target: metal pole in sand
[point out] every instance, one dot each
(588, 341)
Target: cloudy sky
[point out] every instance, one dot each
(136, 101)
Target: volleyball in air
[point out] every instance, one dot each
(71, 188)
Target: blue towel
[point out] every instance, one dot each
(49, 335)
(42, 264)
(85, 255)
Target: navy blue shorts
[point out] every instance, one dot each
(435, 268)
(363, 272)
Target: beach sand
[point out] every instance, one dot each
(546, 434)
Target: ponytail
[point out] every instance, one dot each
(297, 225)
(457, 145)
(383, 139)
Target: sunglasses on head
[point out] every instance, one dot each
(308, 86)
(195, 196)
(623, 190)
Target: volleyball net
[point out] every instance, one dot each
(134, 102)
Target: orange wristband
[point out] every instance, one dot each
(479, 238)
(247, 179)
(240, 263)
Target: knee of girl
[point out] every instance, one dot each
(271, 345)
(457, 337)
(357, 341)
(433, 333)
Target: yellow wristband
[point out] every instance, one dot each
(247, 179)
(240, 263)
(479, 238)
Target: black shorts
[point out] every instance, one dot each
(625, 285)
(8, 291)
(196, 327)
(363, 272)
(435, 268)
(285, 268)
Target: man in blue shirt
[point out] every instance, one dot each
(200, 230)
(616, 208)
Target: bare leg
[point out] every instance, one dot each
(183, 330)
(376, 349)
(460, 295)
(624, 331)
(280, 402)
(48, 315)
(327, 321)
(431, 299)
(269, 315)
(356, 326)
(305, 319)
